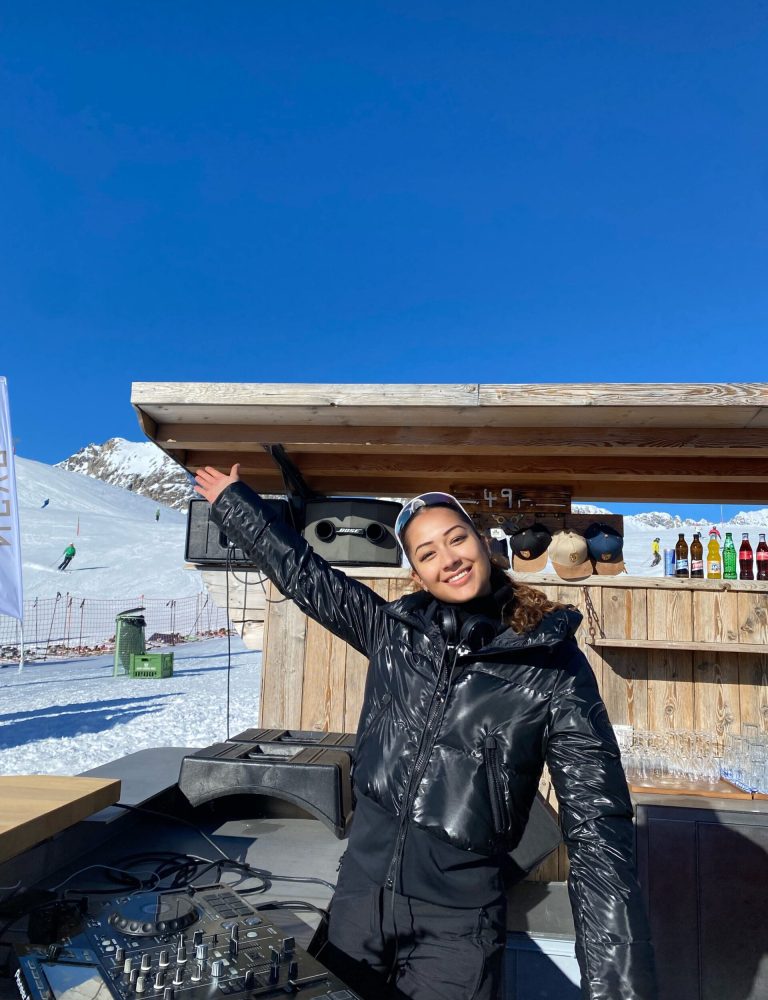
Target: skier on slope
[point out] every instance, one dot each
(656, 552)
(69, 555)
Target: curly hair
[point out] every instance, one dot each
(527, 606)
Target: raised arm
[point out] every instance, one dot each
(344, 606)
(613, 943)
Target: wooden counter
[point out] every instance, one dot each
(34, 807)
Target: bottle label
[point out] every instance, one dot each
(697, 565)
(762, 555)
(681, 564)
(713, 567)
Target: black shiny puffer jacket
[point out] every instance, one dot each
(459, 738)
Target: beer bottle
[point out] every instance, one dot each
(714, 568)
(762, 558)
(681, 556)
(746, 570)
(729, 557)
(697, 557)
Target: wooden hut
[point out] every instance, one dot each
(667, 653)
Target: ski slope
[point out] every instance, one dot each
(122, 551)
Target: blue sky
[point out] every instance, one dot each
(375, 192)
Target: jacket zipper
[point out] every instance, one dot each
(422, 757)
(498, 798)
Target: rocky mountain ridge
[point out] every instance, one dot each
(140, 467)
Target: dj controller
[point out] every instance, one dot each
(204, 945)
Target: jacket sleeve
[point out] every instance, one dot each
(344, 606)
(613, 944)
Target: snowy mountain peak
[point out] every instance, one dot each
(661, 519)
(588, 508)
(141, 467)
(752, 518)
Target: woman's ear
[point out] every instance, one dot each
(417, 580)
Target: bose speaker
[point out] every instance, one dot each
(353, 532)
(207, 543)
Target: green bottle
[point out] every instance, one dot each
(729, 558)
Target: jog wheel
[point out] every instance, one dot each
(152, 914)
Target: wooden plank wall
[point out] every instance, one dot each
(311, 680)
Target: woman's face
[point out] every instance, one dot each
(448, 557)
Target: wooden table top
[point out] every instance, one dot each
(34, 807)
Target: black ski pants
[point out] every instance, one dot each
(390, 947)
(67, 560)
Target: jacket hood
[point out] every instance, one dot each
(555, 627)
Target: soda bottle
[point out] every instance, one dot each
(746, 570)
(681, 556)
(714, 568)
(729, 557)
(697, 557)
(762, 558)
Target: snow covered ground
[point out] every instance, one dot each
(68, 716)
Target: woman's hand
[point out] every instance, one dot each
(212, 483)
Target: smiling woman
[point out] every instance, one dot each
(448, 557)
(474, 684)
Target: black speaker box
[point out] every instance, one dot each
(353, 532)
(206, 543)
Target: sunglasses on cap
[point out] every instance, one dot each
(425, 500)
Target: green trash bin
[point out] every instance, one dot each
(129, 639)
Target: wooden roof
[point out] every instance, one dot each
(638, 442)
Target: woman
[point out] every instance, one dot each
(475, 682)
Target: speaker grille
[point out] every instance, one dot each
(353, 532)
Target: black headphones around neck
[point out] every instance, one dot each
(476, 632)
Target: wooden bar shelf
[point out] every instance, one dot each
(703, 647)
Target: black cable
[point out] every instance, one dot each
(258, 872)
(173, 819)
(229, 621)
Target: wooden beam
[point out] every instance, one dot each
(523, 469)
(543, 441)
(594, 394)
(657, 404)
(301, 394)
(147, 424)
(646, 394)
(606, 491)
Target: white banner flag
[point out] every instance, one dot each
(11, 595)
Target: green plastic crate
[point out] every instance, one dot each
(151, 665)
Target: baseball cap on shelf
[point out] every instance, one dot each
(529, 548)
(570, 555)
(606, 547)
